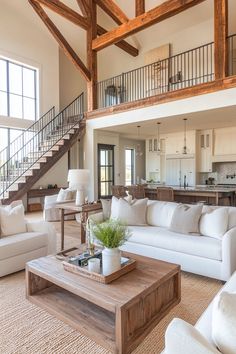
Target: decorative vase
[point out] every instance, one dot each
(110, 260)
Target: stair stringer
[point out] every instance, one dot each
(45, 167)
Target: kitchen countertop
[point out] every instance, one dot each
(198, 189)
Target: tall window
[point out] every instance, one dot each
(17, 90)
(129, 167)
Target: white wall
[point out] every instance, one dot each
(71, 82)
(56, 175)
(22, 40)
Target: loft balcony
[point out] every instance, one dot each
(183, 75)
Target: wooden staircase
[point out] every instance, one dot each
(37, 156)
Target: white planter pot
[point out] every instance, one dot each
(110, 260)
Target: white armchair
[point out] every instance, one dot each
(51, 212)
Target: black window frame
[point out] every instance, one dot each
(22, 66)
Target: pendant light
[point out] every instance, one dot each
(138, 152)
(158, 138)
(184, 152)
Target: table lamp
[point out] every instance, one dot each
(79, 180)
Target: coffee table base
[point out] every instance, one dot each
(121, 330)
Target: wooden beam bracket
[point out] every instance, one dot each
(66, 12)
(166, 10)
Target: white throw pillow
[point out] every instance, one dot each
(159, 213)
(186, 218)
(183, 338)
(106, 208)
(214, 223)
(224, 322)
(12, 220)
(64, 194)
(133, 213)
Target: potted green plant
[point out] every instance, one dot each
(111, 235)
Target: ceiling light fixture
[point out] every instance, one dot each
(158, 138)
(184, 152)
(138, 152)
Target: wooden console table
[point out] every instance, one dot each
(40, 193)
(76, 209)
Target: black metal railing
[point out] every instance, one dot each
(41, 143)
(232, 55)
(26, 135)
(183, 70)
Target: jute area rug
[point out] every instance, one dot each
(27, 329)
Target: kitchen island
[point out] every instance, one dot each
(214, 195)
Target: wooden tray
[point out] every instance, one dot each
(105, 279)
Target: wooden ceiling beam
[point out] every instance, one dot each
(113, 10)
(166, 10)
(220, 36)
(84, 7)
(128, 48)
(64, 45)
(66, 12)
(139, 7)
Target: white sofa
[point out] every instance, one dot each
(215, 258)
(204, 324)
(15, 250)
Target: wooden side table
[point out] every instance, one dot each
(73, 209)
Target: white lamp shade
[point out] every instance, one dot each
(78, 179)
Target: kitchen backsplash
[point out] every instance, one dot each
(221, 171)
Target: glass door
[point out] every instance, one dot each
(105, 170)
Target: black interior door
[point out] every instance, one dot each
(105, 170)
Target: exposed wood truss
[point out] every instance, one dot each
(61, 40)
(139, 7)
(221, 33)
(128, 48)
(113, 10)
(99, 37)
(65, 11)
(165, 10)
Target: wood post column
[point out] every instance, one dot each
(92, 57)
(220, 34)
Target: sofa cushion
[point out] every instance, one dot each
(214, 222)
(185, 219)
(133, 213)
(201, 246)
(12, 220)
(160, 213)
(182, 338)
(22, 243)
(224, 322)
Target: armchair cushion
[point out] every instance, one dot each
(183, 338)
(12, 220)
(224, 322)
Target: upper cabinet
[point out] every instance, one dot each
(225, 141)
(175, 143)
(205, 150)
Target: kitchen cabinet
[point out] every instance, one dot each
(225, 142)
(177, 168)
(154, 161)
(175, 143)
(205, 150)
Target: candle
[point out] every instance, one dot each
(94, 265)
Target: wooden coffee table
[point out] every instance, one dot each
(118, 316)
